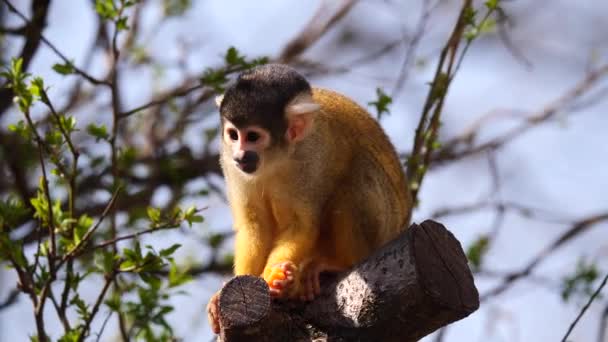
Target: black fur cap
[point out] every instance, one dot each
(259, 97)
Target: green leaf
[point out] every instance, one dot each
(85, 221)
(121, 24)
(37, 87)
(12, 250)
(258, 61)
(581, 280)
(22, 129)
(64, 69)
(215, 240)
(176, 277)
(126, 157)
(173, 8)
(487, 26)
(70, 336)
(215, 79)
(382, 103)
(82, 227)
(191, 217)
(100, 132)
(104, 261)
(469, 15)
(106, 9)
(153, 214)
(477, 251)
(127, 266)
(53, 138)
(492, 4)
(68, 123)
(169, 251)
(12, 213)
(81, 307)
(113, 302)
(151, 280)
(233, 57)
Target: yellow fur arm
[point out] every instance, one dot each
(253, 241)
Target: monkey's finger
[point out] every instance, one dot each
(288, 266)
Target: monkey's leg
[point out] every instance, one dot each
(344, 241)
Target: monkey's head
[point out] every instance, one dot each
(267, 110)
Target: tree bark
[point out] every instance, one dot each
(409, 288)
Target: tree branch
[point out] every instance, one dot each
(320, 23)
(414, 285)
(577, 229)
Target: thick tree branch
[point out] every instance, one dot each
(411, 287)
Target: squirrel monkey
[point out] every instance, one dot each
(313, 182)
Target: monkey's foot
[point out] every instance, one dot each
(213, 313)
(280, 278)
(310, 279)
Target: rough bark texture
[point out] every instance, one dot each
(406, 290)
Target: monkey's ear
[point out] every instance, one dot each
(300, 113)
(218, 100)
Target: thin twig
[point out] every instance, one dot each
(10, 299)
(580, 314)
(427, 9)
(578, 228)
(180, 92)
(90, 232)
(428, 125)
(60, 312)
(604, 321)
(451, 152)
(79, 71)
(85, 330)
(316, 27)
(47, 193)
(120, 238)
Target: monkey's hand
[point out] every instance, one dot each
(281, 279)
(213, 313)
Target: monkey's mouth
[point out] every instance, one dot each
(249, 167)
(247, 162)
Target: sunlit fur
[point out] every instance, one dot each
(332, 196)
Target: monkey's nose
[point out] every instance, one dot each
(248, 161)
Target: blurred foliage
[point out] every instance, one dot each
(476, 252)
(381, 105)
(83, 200)
(581, 281)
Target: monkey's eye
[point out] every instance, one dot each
(252, 136)
(233, 134)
